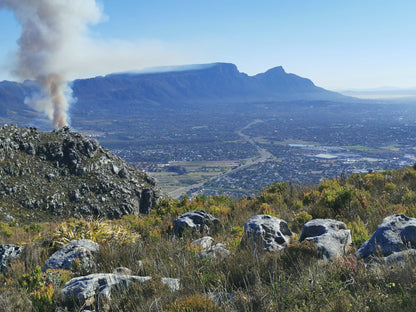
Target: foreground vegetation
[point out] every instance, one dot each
(247, 280)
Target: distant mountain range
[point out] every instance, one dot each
(382, 93)
(205, 87)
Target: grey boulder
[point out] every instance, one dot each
(400, 257)
(395, 234)
(9, 253)
(196, 221)
(81, 251)
(266, 232)
(209, 250)
(204, 242)
(95, 290)
(218, 251)
(332, 237)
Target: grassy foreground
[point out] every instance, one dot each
(247, 280)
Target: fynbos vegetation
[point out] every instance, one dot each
(145, 248)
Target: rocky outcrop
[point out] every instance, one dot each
(196, 221)
(95, 290)
(9, 253)
(395, 234)
(77, 252)
(64, 174)
(331, 237)
(266, 232)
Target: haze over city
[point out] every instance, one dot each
(338, 45)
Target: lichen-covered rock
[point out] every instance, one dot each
(217, 251)
(209, 250)
(395, 234)
(82, 251)
(64, 174)
(266, 232)
(95, 290)
(198, 221)
(9, 253)
(204, 242)
(332, 237)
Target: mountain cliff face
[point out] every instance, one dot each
(63, 174)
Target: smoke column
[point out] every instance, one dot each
(50, 29)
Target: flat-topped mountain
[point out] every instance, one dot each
(64, 174)
(206, 87)
(213, 85)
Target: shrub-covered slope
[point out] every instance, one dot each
(245, 279)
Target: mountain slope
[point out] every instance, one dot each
(12, 95)
(63, 174)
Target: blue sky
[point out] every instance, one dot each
(337, 44)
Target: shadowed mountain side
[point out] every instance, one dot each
(12, 95)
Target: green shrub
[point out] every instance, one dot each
(96, 230)
(5, 230)
(41, 288)
(300, 220)
(193, 303)
(359, 232)
(42, 298)
(299, 255)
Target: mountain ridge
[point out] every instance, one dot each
(196, 87)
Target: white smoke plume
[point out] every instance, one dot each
(50, 29)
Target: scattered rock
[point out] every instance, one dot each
(174, 284)
(395, 234)
(222, 298)
(266, 232)
(400, 257)
(209, 250)
(122, 271)
(9, 253)
(96, 289)
(81, 251)
(217, 251)
(331, 237)
(204, 242)
(8, 218)
(123, 173)
(198, 221)
(148, 199)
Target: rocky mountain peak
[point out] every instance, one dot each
(276, 71)
(63, 173)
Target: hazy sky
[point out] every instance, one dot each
(337, 44)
